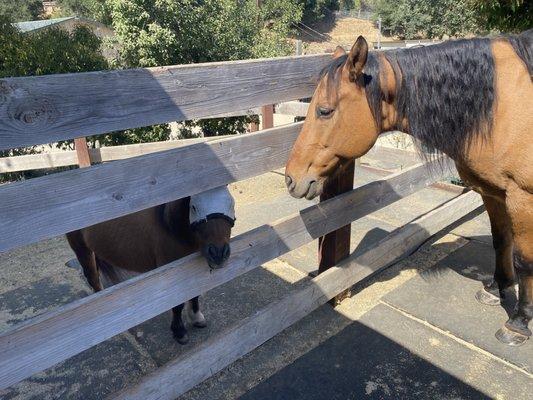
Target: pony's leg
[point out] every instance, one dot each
(178, 327)
(520, 207)
(502, 241)
(86, 258)
(196, 316)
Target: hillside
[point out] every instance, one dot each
(342, 31)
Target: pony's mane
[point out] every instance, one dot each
(444, 91)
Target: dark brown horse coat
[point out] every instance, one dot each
(148, 239)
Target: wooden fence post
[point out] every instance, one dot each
(267, 113)
(82, 151)
(335, 246)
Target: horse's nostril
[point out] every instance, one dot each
(212, 250)
(226, 252)
(288, 180)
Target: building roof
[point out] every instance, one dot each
(30, 26)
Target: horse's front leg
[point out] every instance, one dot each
(178, 327)
(502, 241)
(520, 207)
(196, 316)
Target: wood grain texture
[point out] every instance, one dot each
(185, 372)
(54, 159)
(45, 109)
(65, 158)
(52, 205)
(55, 336)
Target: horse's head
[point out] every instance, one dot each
(339, 125)
(212, 215)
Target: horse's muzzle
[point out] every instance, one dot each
(216, 256)
(308, 187)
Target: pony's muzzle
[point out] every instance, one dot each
(216, 256)
(308, 187)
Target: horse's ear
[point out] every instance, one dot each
(357, 58)
(339, 51)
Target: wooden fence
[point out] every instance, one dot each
(50, 108)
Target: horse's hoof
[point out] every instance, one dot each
(511, 338)
(197, 319)
(183, 339)
(487, 298)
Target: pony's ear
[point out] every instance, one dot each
(339, 51)
(357, 58)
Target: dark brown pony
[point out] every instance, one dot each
(470, 99)
(121, 248)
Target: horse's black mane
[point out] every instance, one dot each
(444, 91)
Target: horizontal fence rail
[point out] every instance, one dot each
(58, 158)
(184, 372)
(48, 206)
(46, 109)
(55, 336)
(55, 159)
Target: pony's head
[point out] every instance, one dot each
(212, 215)
(339, 125)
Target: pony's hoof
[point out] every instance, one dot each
(511, 338)
(487, 298)
(182, 339)
(197, 319)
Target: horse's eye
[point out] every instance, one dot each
(323, 112)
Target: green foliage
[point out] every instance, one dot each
(504, 15)
(91, 9)
(21, 10)
(155, 133)
(413, 19)
(317, 10)
(169, 32)
(189, 31)
(48, 51)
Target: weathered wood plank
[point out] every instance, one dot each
(52, 205)
(65, 158)
(55, 336)
(45, 109)
(183, 373)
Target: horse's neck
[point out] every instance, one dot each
(176, 219)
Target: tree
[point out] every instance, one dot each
(317, 10)
(47, 51)
(21, 10)
(190, 31)
(412, 19)
(92, 9)
(504, 15)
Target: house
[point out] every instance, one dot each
(109, 49)
(67, 23)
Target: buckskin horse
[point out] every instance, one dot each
(127, 246)
(470, 99)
